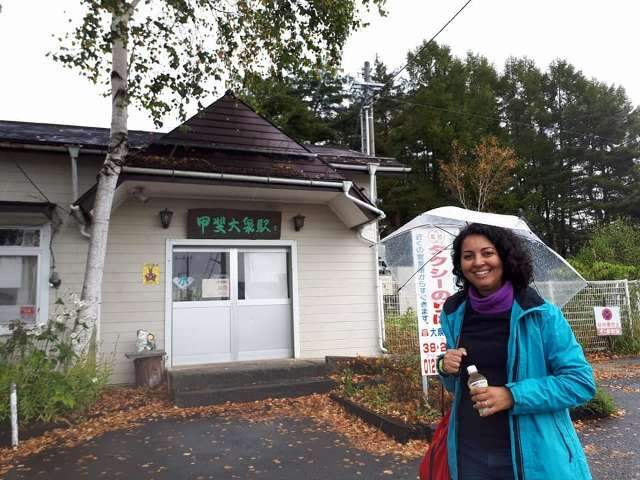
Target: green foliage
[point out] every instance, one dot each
(390, 385)
(347, 383)
(629, 342)
(179, 50)
(601, 405)
(575, 138)
(605, 271)
(52, 382)
(404, 321)
(614, 243)
(612, 253)
(401, 373)
(306, 106)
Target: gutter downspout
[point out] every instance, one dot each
(379, 310)
(346, 186)
(75, 210)
(373, 194)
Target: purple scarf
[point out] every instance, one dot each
(499, 301)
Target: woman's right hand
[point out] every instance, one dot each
(452, 360)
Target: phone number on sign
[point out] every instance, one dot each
(434, 347)
(429, 366)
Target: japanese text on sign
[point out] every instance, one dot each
(434, 284)
(230, 224)
(608, 320)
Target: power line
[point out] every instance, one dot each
(488, 117)
(401, 69)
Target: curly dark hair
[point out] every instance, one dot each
(516, 261)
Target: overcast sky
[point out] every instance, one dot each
(598, 37)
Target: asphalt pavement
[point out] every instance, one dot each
(613, 444)
(205, 448)
(220, 449)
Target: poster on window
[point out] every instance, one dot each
(608, 321)
(215, 288)
(434, 283)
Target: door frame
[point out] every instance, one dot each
(168, 271)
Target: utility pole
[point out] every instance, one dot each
(368, 148)
(366, 111)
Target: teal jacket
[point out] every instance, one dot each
(547, 375)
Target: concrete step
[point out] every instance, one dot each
(234, 374)
(248, 393)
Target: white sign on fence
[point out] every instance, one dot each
(434, 284)
(608, 320)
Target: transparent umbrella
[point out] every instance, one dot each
(553, 277)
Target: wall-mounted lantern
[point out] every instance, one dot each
(165, 217)
(298, 222)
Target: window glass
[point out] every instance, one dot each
(263, 275)
(200, 276)
(18, 286)
(19, 237)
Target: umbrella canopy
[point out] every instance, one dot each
(554, 278)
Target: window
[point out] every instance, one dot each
(19, 237)
(200, 276)
(24, 268)
(263, 275)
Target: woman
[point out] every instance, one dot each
(519, 427)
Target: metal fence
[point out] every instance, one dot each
(401, 321)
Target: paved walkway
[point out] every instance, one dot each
(613, 444)
(220, 449)
(293, 449)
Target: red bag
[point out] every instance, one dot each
(434, 464)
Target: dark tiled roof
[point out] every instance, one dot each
(229, 123)
(346, 156)
(51, 134)
(226, 137)
(240, 163)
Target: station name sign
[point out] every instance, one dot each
(225, 224)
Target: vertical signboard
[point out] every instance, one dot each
(434, 284)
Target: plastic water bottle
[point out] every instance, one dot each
(476, 380)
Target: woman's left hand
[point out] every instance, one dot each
(491, 400)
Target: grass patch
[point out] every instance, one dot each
(601, 405)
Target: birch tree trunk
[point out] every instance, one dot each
(85, 326)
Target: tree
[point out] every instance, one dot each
(612, 253)
(306, 106)
(166, 54)
(479, 180)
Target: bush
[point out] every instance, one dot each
(401, 373)
(601, 405)
(53, 383)
(629, 342)
(597, 270)
(612, 253)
